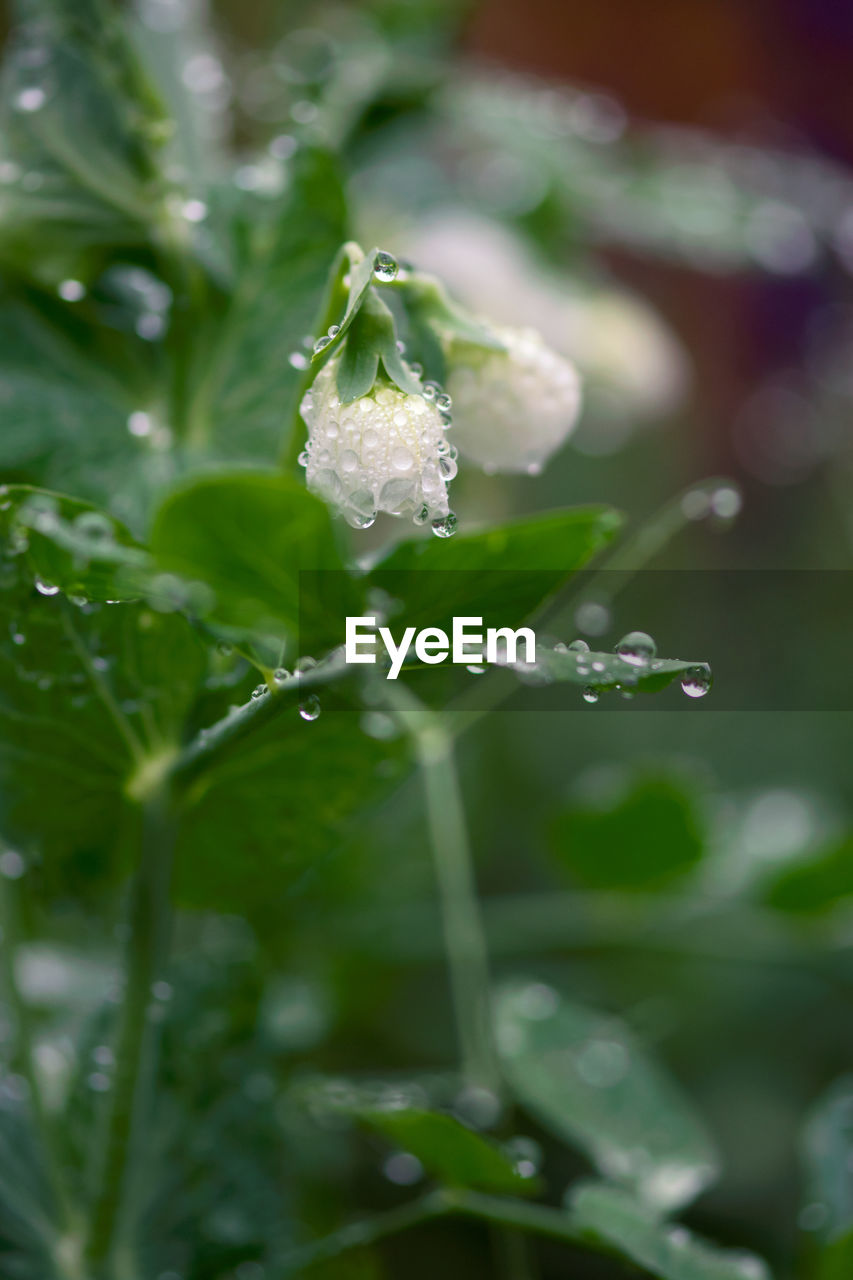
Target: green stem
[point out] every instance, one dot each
(465, 939)
(518, 1214)
(136, 1042)
(463, 929)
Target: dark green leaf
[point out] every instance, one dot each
(247, 535)
(584, 1076)
(815, 886)
(70, 545)
(501, 574)
(639, 837)
(453, 1154)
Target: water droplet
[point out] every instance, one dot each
(140, 423)
(12, 865)
(322, 342)
(71, 290)
(593, 618)
(310, 708)
(476, 668)
(726, 502)
(421, 516)
(445, 526)
(30, 99)
(443, 402)
(526, 1156)
(281, 674)
(334, 330)
(696, 681)
(430, 390)
(91, 524)
(578, 646)
(385, 267)
(402, 458)
(590, 694)
(46, 588)
(259, 691)
(403, 1169)
(636, 648)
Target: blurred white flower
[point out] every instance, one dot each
(630, 361)
(386, 451)
(513, 408)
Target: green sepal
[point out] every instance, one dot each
(372, 337)
(351, 261)
(430, 305)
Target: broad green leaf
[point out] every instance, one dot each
(636, 836)
(245, 389)
(78, 110)
(501, 574)
(70, 546)
(81, 691)
(247, 536)
(451, 1153)
(618, 1221)
(583, 1074)
(267, 822)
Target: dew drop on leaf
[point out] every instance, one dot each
(636, 648)
(696, 681)
(385, 267)
(310, 708)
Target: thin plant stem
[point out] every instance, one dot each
(465, 939)
(111, 1223)
(517, 1214)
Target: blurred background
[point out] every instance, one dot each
(666, 191)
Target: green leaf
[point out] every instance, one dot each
(245, 390)
(501, 574)
(584, 1076)
(453, 1154)
(828, 1158)
(348, 263)
(71, 545)
(603, 672)
(816, 886)
(77, 109)
(621, 1223)
(266, 823)
(247, 535)
(84, 693)
(642, 835)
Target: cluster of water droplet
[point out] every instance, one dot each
(387, 451)
(512, 408)
(637, 650)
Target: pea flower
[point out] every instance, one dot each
(384, 451)
(512, 408)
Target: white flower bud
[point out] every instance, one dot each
(386, 451)
(512, 409)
